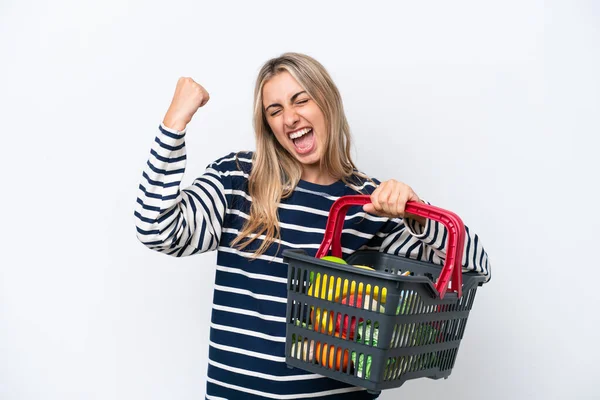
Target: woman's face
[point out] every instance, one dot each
(296, 120)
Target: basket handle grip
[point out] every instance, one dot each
(452, 270)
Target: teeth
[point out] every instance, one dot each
(299, 133)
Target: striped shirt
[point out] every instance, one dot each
(247, 330)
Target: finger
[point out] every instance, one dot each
(414, 196)
(204, 100)
(375, 197)
(370, 208)
(386, 199)
(401, 204)
(395, 195)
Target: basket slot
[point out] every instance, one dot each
(471, 298)
(395, 336)
(419, 335)
(302, 349)
(362, 365)
(396, 367)
(460, 327)
(463, 304)
(369, 331)
(444, 330)
(455, 329)
(414, 335)
(303, 281)
(394, 333)
(298, 276)
(415, 363)
(292, 319)
(444, 357)
(456, 324)
(448, 358)
(420, 306)
(329, 287)
(399, 362)
(446, 354)
(346, 296)
(388, 367)
(412, 364)
(291, 285)
(463, 325)
(405, 365)
(301, 312)
(404, 334)
(432, 360)
(349, 367)
(413, 303)
(299, 349)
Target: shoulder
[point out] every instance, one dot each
(362, 182)
(236, 161)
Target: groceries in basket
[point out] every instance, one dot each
(331, 289)
(374, 319)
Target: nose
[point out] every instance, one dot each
(290, 117)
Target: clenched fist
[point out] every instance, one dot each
(188, 98)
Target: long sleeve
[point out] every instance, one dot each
(178, 222)
(428, 243)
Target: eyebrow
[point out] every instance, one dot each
(292, 100)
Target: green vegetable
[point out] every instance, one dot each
(303, 324)
(361, 365)
(406, 303)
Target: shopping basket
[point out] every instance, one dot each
(377, 328)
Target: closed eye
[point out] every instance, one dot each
(298, 102)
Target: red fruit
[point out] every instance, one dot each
(345, 332)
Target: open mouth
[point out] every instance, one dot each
(303, 139)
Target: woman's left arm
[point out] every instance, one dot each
(416, 237)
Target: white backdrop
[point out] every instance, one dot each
(489, 109)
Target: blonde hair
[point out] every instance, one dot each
(275, 173)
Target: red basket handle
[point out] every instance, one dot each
(452, 270)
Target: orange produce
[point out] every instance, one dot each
(329, 354)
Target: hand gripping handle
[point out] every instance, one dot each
(452, 270)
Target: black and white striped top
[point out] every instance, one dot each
(247, 334)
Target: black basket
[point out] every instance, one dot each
(377, 328)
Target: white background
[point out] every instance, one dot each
(489, 109)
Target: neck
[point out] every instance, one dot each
(317, 176)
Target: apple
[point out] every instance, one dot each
(364, 267)
(334, 259)
(359, 304)
(345, 331)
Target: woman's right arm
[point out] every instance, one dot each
(169, 220)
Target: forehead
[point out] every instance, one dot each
(280, 88)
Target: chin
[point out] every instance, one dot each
(311, 159)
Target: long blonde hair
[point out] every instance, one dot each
(275, 173)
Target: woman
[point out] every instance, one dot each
(250, 206)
